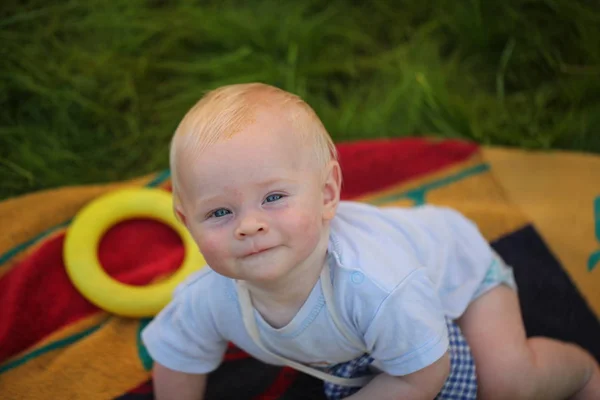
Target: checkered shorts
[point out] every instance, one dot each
(460, 385)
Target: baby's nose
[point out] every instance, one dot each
(250, 226)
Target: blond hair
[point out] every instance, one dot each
(223, 112)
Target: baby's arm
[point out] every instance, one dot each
(171, 385)
(184, 342)
(424, 384)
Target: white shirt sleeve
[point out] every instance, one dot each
(183, 336)
(408, 332)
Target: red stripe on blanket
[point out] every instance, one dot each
(37, 297)
(284, 380)
(144, 388)
(234, 353)
(369, 166)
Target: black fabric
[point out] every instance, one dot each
(551, 305)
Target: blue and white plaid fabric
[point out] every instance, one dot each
(460, 385)
(350, 369)
(462, 381)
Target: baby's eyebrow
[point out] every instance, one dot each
(206, 199)
(275, 181)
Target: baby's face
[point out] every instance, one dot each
(254, 202)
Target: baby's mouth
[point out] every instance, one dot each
(259, 251)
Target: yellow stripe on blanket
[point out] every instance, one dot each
(469, 187)
(86, 351)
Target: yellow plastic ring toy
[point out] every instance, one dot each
(84, 235)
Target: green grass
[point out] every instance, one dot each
(91, 91)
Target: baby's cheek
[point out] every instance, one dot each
(307, 222)
(211, 248)
(309, 226)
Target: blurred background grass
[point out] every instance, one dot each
(91, 91)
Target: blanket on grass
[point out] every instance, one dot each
(540, 211)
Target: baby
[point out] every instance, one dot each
(367, 299)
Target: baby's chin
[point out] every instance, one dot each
(263, 270)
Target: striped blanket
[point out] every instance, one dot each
(540, 211)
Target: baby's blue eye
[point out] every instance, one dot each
(273, 197)
(221, 212)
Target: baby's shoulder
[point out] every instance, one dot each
(408, 221)
(206, 289)
(203, 277)
(390, 242)
(369, 246)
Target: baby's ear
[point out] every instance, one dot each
(331, 189)
(179, 214)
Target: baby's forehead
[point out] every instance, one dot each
(233, 166)
(267, 131)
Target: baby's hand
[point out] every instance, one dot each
(424, 384)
